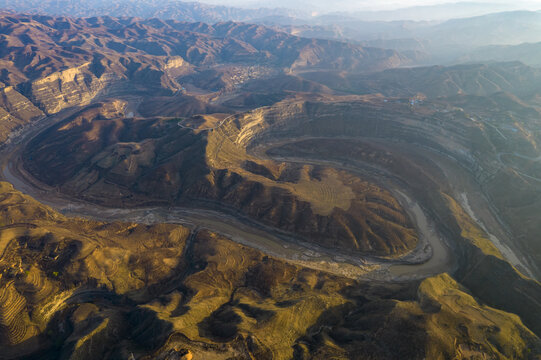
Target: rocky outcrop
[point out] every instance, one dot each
(72, 87)
(135, 44)
(54, 69)
(15, 111)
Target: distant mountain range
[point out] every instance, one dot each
(439, 12)
(448, 40)
(37, 46)
(167, 9)
(528, 53)
(441, 42)
(366, 11)
(439, 81)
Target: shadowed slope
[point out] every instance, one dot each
(135, 161)
(73, 288)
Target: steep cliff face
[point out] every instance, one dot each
(41, 45)
(60, 62)
(15, 111)
(72, 87)
(79, 86)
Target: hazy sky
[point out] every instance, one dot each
(347, 5)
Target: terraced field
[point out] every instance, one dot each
(14, 322)
(235, 301)
(230, 191)
(161, 290)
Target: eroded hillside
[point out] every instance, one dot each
(53, 63)
(79, 289)
(399, 208)
(114, 160)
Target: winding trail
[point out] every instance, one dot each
(209, 128)
(533, 159)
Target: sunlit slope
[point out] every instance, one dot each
(78, 289)
(109, 159)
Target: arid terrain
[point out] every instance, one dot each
(231, 191)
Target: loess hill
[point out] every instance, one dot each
(79, 289)
(485, 117)
(118, 161)
(482, 119)
(294, 135)
(53, 63)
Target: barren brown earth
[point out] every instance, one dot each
(73, 288)
(164, 113)
(113, 160)
(53, 63)
(479, 254)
